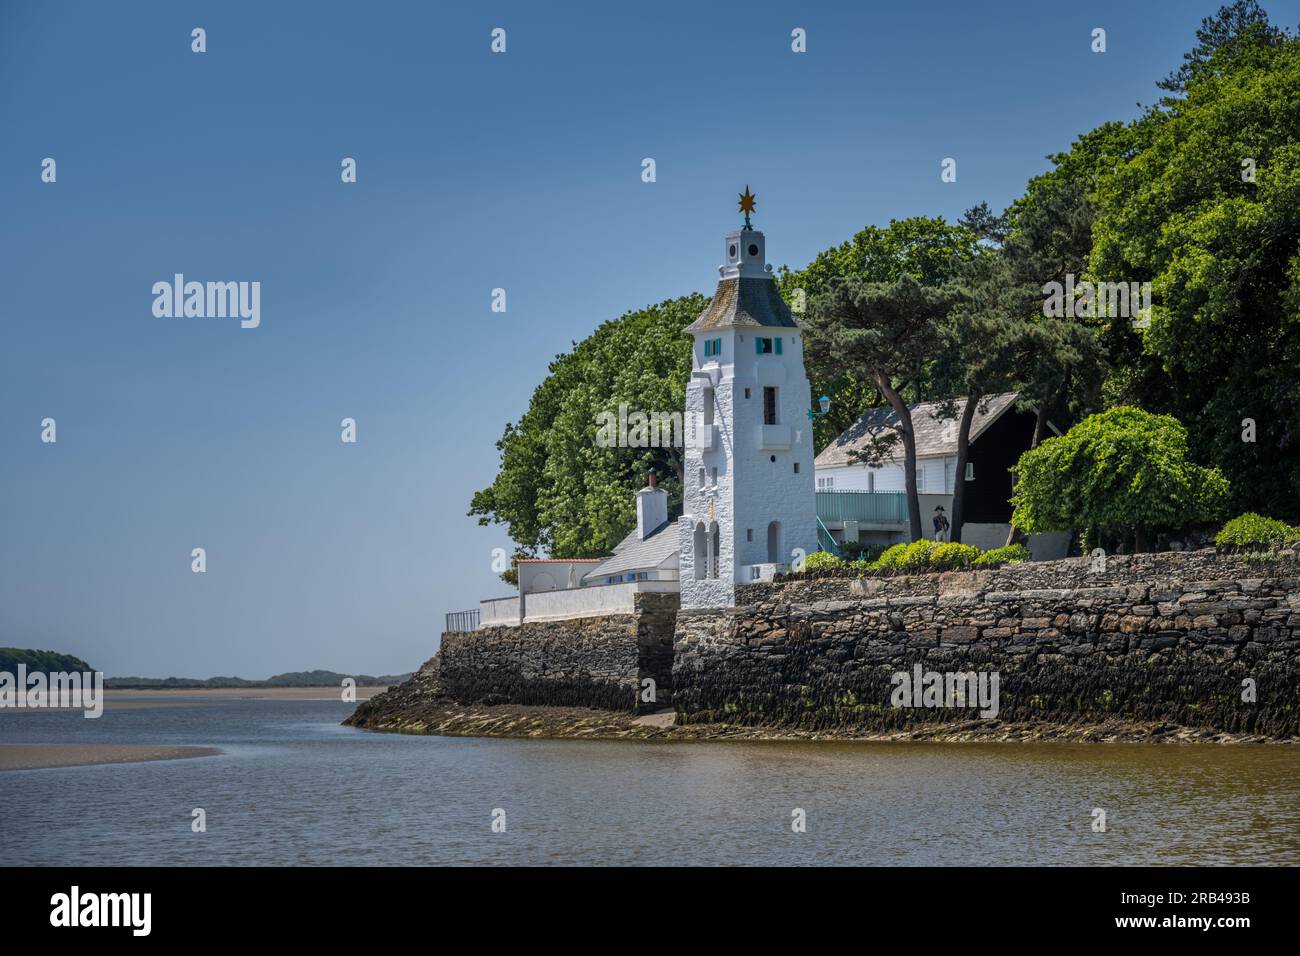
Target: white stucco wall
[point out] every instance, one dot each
(498, 612)
(756, 485)
(936, 476)
(590, 601)
(551, 575)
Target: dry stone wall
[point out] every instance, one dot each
(1163, 637)
(587, 662)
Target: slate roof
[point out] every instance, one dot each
(930, 431)
(633, 554)
(746, 303)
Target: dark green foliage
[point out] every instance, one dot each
(1114, 475)
(1252, 532)
(43, 661)
(1011, 554)
(559, 492)
(953, 556)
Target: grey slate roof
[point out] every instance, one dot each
(747, 303)
(930, 441)
(633, 554)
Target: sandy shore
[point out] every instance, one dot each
(42, 756)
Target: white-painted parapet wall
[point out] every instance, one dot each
(592, 601)
(499, 612)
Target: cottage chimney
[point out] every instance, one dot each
(651, 507)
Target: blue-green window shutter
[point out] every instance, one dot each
(778, 346)
(758, 345)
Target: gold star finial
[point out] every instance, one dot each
(747, 202)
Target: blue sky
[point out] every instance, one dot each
(475, 171)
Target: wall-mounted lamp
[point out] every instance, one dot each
(825, 403)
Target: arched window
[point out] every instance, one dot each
(700, 553)
(715, 545)
(774, 543)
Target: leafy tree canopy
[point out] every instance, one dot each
(1207, 208)
(559, 490)
(44, 661)
(1117, 476)
(923, 248)
(1236, 31)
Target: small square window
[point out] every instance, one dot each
(763, 346)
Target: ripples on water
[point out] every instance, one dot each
(293, 787)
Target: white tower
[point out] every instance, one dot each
(749, 497)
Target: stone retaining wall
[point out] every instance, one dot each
(1161, 637)
(586, 662)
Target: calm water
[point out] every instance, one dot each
(293, 787)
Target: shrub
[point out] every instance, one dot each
(916, 556)
(851, 550)
(951, 555)
(864, 551)
(1011, 554)
(1121, 474)
(821, 561)
(1252, 532)
(889, 558)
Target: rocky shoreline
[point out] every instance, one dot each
(1186, 646)
(418, 706)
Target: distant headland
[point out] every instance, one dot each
(55, 661)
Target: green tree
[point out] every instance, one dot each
(928, 249)
(998, 337)
(986, 340)
(888, 334)
(1117, 476)
(560, 490)
(1207, 208)
(1236, 30)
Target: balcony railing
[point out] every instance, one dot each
(463, 620)
(866, 507)
(825, 540)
